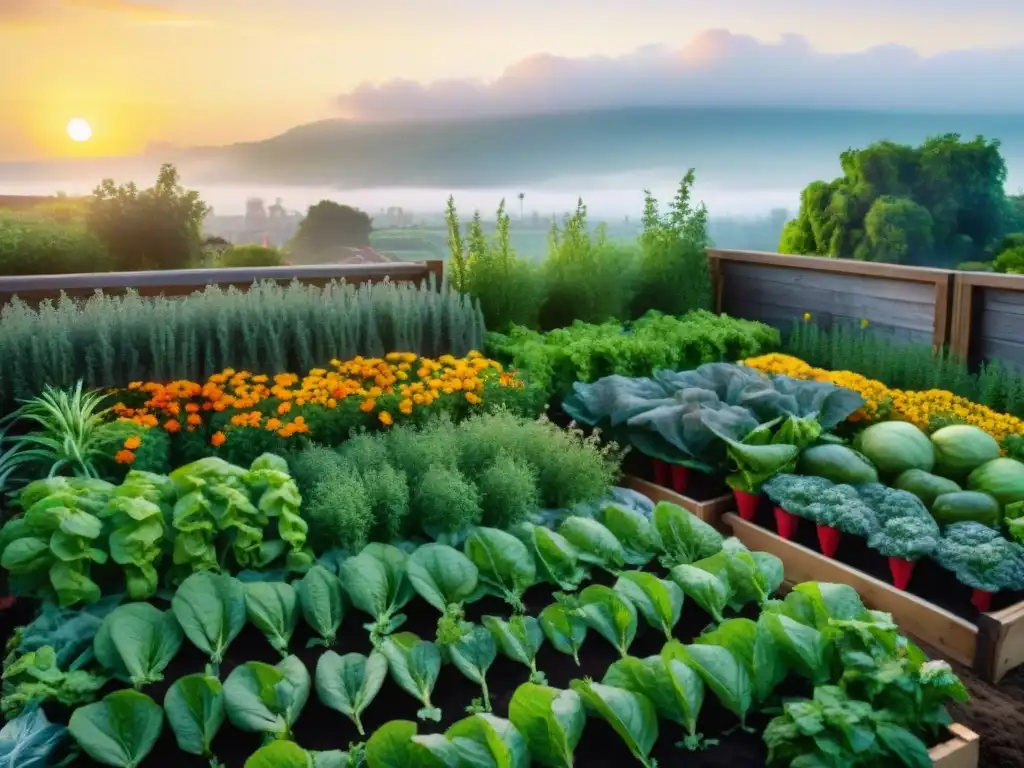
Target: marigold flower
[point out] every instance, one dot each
(132, 443)
(473, 398)
(284, 407)
(172, 425)
(367, 405)
(194, 420)
(124, 457)
(218, 439)
(385, 418)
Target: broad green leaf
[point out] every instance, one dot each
(632, 715)
(210, 607)
(279, 754)
(704, 588)
(349, 683)
(136, 642)
(675, 689)
(660, 601)
(911, 751)
(272, 606)
(31, 741)
(473, 655)
(550, 720)
(610, 614)
(483, 741)
(519, 639)
(739, 572)
(564, 629)
(393, 746)
(377, 584)
(503, 561)
(441, 575)
(194, 705)
(594, 542)
(120, 730)
(805, 650)
(683, 538)
(267, 699)
(415, 665)
(722, 672)
(319, 593)
(633, 530)
(557, 560)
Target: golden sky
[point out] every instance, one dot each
(217, 71)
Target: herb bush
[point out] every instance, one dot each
(491, 469)
(110, 340)
(585, 352)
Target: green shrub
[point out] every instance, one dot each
(409, 482)
(108, 341)
(582, 352)
(251, 256)
(31, 244)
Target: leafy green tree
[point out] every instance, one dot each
(155, 228)
(899, 231)
(327, 227)
(31, 244)
(1011, 261)
(958, 184)
(673, 271)
(251, 256)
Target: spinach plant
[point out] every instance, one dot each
(195, 710)
(551, 721)
(272, 606)
(445, 578)
(415, 665)
(136, 642)
(376, 582)
(350, 683)
(632, 715)
(504, 563)
(261, 698)
(473, 654)
(210, 607)
(120, 730)
(519, 638)
(320, 598)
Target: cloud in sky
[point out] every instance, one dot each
(717, 68)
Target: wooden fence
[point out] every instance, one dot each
(181, 282)
(904, 302)
(988, 317)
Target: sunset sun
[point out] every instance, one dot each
(79, 130)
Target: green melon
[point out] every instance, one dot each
(838, 464)
(960, 449)
(926, 486)
(896, 446)
(1002, 478)
(964, 506)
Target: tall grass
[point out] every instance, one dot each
(112, 340)
(905, 365)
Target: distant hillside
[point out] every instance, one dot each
(739, 147)
(748, 146)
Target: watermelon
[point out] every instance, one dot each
(926, 486)
(960, 449)
(896, 446)
(962, 506)
(1002, 478)
(838, 464)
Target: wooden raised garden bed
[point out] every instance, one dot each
(710, 510)
(963, 750)
(992, 646)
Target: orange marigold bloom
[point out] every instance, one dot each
(172, 425)
(192, 408)
(273, 424)
(124, 457)
(385, 418)
(367, 405)
(284, 407)
(132, 443)
(473, 398)
(194, 419)
(217, 439)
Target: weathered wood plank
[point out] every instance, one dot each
(1007, 302)
(778, 295)
(997, 349)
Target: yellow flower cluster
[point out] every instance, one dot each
(917, 407)
(415, 381)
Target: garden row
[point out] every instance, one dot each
(939, 514)
(226, 509)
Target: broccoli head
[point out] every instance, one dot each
(980, 557)
(909, 538)
(890, 503)
(822, 502)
